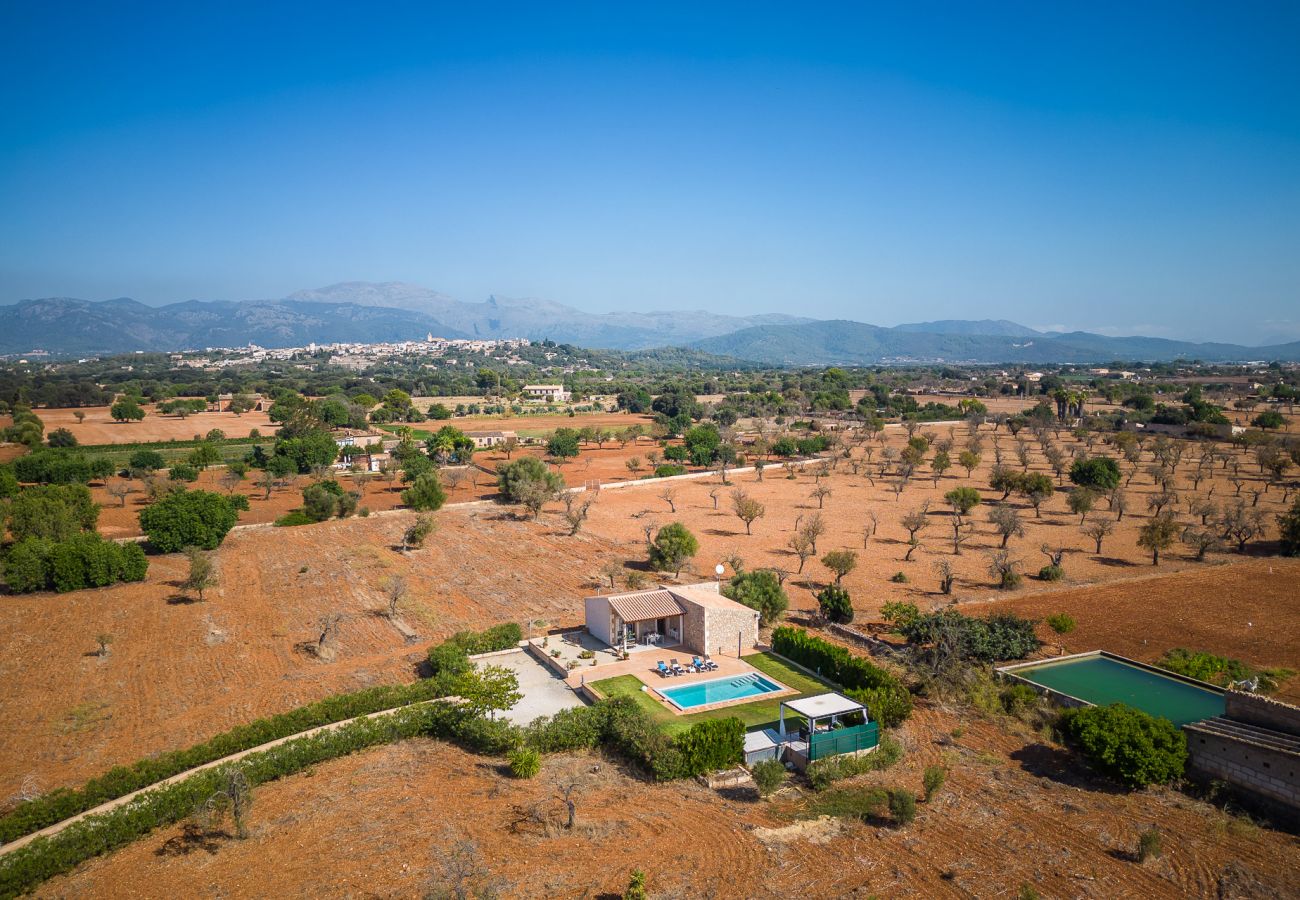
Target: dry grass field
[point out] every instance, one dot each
(98, 426)
(179, 671)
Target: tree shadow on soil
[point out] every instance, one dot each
(1116, 562)
(194, 837)
(1059, 765)
(179, 599)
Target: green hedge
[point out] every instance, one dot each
(887, 699)
(452, 655)
(60, 467)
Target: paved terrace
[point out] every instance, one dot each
(642, 666)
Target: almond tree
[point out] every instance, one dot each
(1097, 530)
(747, 509)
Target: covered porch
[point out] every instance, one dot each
(830, 724)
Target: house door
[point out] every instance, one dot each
(661, 625)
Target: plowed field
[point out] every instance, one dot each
(377, 824)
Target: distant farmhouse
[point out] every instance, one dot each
(546, 393)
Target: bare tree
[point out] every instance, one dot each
(869, 527)
(1201, 540)
(395, 591)
(611, 570)
(234, 795)
(943, 569)
(1097, 530)
(119, 488)
(802, 548)
(813, 528)
(576, 513)
(1006, 519)
(327, 630)
(669, 496)
(915, 521)
(459, 872)
(820, 493)
(714, 491)
(103, 640)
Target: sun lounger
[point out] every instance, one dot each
(702, 665)
(676, 667)
(663, 669)
(709, 663)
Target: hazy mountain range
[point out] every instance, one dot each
(392, 311)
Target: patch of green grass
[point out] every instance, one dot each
(760, 712)
(846, 803)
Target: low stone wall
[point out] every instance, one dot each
(1262, 711)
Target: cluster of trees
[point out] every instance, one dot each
(55, 545)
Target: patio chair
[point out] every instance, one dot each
(663, 670)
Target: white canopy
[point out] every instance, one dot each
(819, 705)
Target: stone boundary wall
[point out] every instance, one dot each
(1263, 712)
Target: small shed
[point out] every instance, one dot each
(761, 745)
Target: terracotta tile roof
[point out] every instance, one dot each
(642, 605)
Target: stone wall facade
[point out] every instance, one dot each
(1262, 711)
(1254, 747)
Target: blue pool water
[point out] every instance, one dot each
(719, 689)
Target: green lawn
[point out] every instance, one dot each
(760, 712)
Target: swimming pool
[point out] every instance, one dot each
(716, 690)
(1102, 678)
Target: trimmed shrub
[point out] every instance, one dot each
(525, 762)
(1127, 744)
(886, 697)
(1051, 573)
(708, 746)
(40, 812)
(452, 655)
(835, 604)
(769, 775)
(60, 467)
(292, 519)
(902, 806)
(183, 472)
(668, 470)
(578, 728)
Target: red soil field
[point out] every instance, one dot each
(179, 672)
(376, 824)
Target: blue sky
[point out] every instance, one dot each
(1109, 167)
